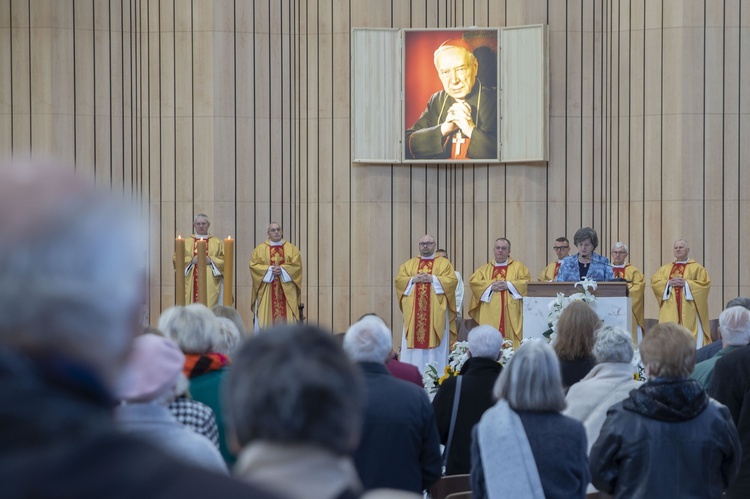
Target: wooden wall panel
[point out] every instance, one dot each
(241, 108)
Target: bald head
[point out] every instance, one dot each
(426, 245)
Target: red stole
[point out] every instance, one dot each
(619, 272)
(422, 300)
(557, 269)
(459, 145)
(498, 274)
(195, 268)
(278, 300)
(678, 269)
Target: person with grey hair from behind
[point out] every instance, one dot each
(71, 294)
(730, 385)
(478, 375)
(610, 381)
(523, 446)
(734, 329)
(399, 447)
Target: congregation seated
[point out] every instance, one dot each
(609, 382)
(149, 382)
(523, 446)
(194, 329)
(575, 341)
(668, 438)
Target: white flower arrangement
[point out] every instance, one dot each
(639, 371)
(458, 357)
(557, 305)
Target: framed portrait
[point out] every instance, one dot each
(468, 95)
(451, 106)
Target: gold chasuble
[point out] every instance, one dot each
(549, 273)
(677, 305)
(214, 250)
(500, 309)
(278, 300)
(424, 310)
(636, 284)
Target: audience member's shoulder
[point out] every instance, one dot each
(738, 357)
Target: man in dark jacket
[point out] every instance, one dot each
(478, 376)
(71, 295)
(399, 448)
(730, 385)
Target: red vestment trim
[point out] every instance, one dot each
(278, 300)
(619, 272)
(557, 269)
(498, 274)
(422, 322)
(195, 267)
(678, 269)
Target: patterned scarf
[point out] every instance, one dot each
(197, 364)
(668, 399)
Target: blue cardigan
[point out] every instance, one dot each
(599, 269)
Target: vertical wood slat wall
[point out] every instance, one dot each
(240, 109)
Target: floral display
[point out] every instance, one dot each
(460, 353)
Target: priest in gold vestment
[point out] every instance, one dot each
(426, 291)
(636, 284)
(214, 261)
(681, 288)
(276, 269)
(562, 250)
(497, 290)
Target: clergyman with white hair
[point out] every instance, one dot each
(399, 447)
(609, 382)
(734, 329)
(477, 377)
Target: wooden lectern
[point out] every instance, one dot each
(612, 304)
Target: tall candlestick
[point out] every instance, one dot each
(202, 272)
(179, 271)
(228, 271)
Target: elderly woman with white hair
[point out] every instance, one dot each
(523, 446)
(477, 378)
(609, 382)
(195, 329)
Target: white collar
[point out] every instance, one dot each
(431, 257)
(681, 261)
(280, 243)
(503, 264)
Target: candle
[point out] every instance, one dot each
(228, 271)
(202, 272)
(179, 271)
